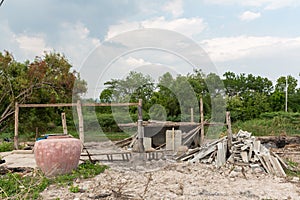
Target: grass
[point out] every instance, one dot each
(271, 124)
(29, 186)
(293, 169)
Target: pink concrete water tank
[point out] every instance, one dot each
(57, 155)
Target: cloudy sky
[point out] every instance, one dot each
(261, 37)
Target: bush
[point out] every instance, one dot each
(6, 146)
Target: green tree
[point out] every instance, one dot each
(247, 95)
(134, 87)
(278, 96)
(45, 80)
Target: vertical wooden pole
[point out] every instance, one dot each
(36, 133)
(80, 122)
(192, 114)
(229, 130)
(16, 138)
(64, 123)
(140, 128)
(202, 122)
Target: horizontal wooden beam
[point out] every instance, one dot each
(110, 104)
(74, 104)
(46, 105)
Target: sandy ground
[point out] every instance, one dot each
(179, 181)
(166, 179)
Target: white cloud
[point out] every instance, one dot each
(76, 43)
(234, 48)
(249, 16)
(186, 26)
(175, 7)
(136, 62)
(32, 45)
(23, 46)
(73, 40)
(266, 4)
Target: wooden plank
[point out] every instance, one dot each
(80, 121)
(250, 151)
(280, 160)
(256, 147)
(46, 105)
(266, 158)
(244, 156)
(278, 166)
(64, 123)
(74, 104)
(201, 122)
(263, 163)
(109, 104)
(229, 130)
(221, 154)
(203, 153)
(192, 115)
(16, 137)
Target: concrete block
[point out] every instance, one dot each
(147, 143)
(173, 139)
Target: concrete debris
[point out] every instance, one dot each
(245, 151)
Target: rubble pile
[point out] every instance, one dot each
(245, 150)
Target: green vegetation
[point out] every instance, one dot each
(6, 146)
(293, 169)
(49, 79)
(29, 186)
(277, 123)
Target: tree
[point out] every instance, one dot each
(134, 87)
(45, 80)
(247, 95)
(165, 95)
(278, 96)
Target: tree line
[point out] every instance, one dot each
(50, 79)
(246, 96)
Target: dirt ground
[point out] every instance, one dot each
(179, 181)
(166, 179)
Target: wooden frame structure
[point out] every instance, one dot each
(79, 106)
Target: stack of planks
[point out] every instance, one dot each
(245, 151)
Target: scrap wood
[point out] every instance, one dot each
(203, 153)
(188, 138)
(190, 153)
(245, 151)
(127, 141)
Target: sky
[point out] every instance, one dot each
(261, 37)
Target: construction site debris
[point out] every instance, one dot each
(245, 151)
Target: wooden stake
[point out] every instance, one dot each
(141, 148)
(80, 121)
(202, 122)
(36, 133)
(229, 130)
(192, 114)
(16, 138)
(64, 123)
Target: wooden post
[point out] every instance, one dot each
(80, 122)
(202, 122)
(141, 148)
(229, 130)
(192, 114)
(64, 123)
(36, 133)
(16, 138)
